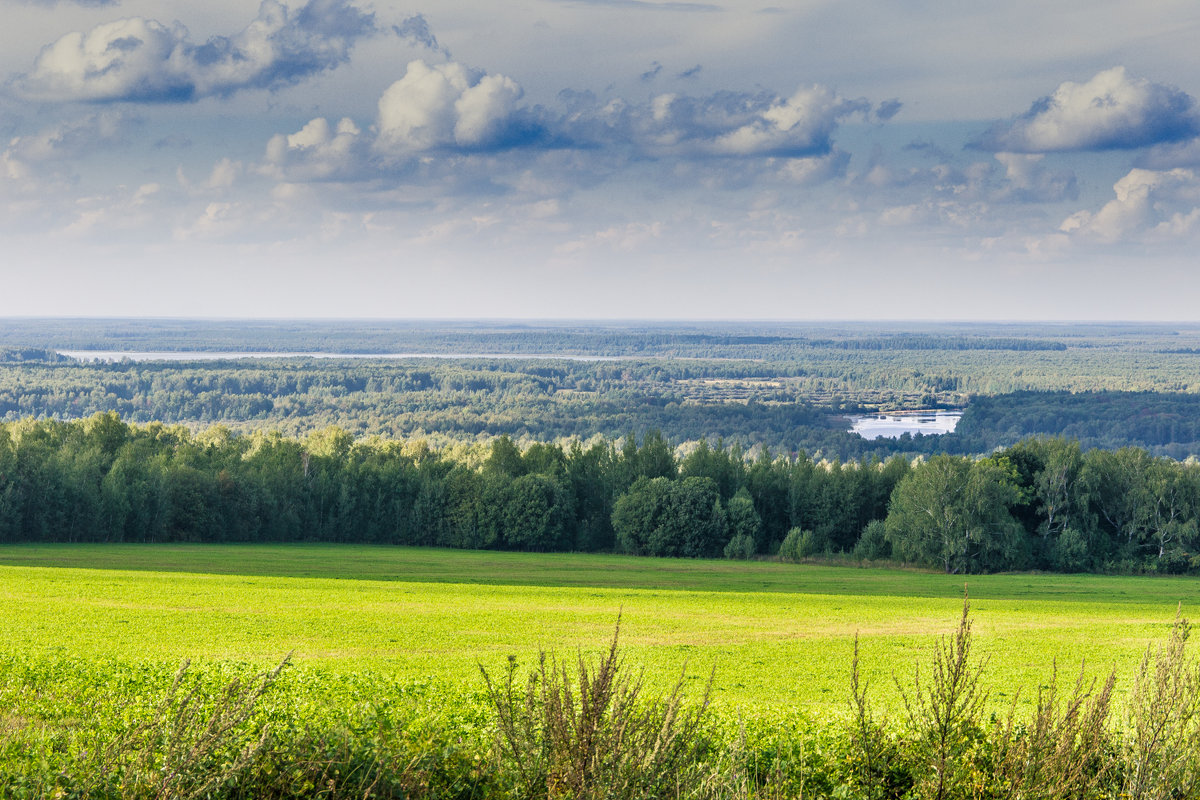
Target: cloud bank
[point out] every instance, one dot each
(449, 108)
(142, 60)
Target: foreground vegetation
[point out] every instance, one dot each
(591, 728)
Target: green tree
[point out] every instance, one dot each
(954, 514)
(536, 514)
(637, 514)
(660, 517)
(744, 521)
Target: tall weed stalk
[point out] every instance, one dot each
(1162, 742)
(595, 735)
(190, 747)
(1064, 750)
(945, 714)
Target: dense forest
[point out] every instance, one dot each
(786, 407)
(1042, 503)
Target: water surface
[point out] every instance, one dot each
(895, 424)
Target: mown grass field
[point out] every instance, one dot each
(778, 635)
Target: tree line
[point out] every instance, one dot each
(1040, 504)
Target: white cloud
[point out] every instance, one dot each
(317, 152)
(621, 238)
(445, 105)
(142, 60)
(802, 123)
(484, 109)
(813, 170)
(108, 215)
(1110, 111)
(1149, 205)
(224, 173)
(1174, 154)
(726, 123)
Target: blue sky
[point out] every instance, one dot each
(601, 158)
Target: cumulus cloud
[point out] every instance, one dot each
(38, 182)
(815, 169)
(1174, 154)
(142, 60)
(729, 124)
(317, 152)
(802, 124)
(447, 106)
(1112, 111)
(1149, 205)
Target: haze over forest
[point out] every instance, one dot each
(599, 159)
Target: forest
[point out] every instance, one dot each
(672, 439)
(1039, 504)
(789, 388)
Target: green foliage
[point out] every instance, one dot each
(945, 715)
(586, 728)
(801, 544)
(597, 735)
(740, 547)
(873, 545)
(778, 385)
(1042, 503)
(1162, 741)
(660, 517)
(955, 514)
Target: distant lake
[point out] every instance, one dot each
(894, 424)
(212, 355)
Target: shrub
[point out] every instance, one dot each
(945, 714)
(873, 544)
(740, 547)
(1064, 750)
(799, 545)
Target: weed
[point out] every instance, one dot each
(191, 745)
(1065, 750)
(1162, 745)
(945, 713)
(595, 736)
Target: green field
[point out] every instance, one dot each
(778, 635)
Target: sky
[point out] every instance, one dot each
(815, 159)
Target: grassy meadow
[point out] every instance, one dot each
(780, 636)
